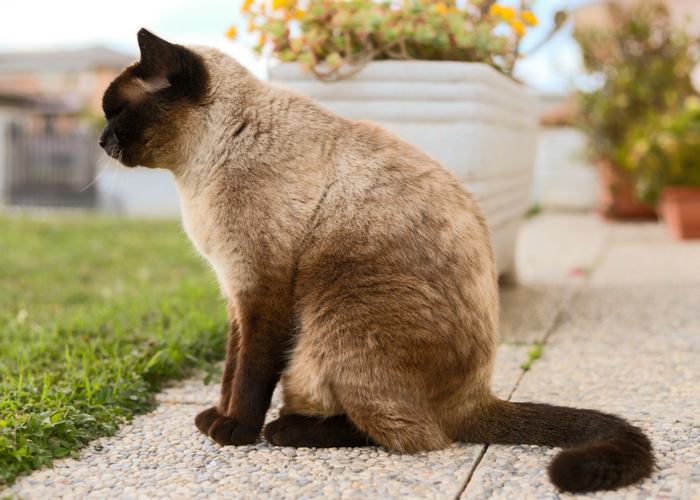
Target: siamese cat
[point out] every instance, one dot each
(359, 273)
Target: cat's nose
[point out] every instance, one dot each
(107, 136)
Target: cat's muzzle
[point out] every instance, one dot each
(109, 141)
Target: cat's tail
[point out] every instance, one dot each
(602, 451)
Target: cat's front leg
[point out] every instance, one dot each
(205, 419)
(255, 360)
(231, 357)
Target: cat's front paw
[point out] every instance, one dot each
(205, 419)
(225, 430)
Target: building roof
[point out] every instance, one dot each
(11, 98)
(63, 60)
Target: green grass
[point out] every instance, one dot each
(95, 314)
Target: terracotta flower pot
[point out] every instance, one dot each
(616, 195)
(680, 208)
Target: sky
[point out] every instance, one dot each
(69, 24)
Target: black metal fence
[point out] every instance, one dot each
(50, 169)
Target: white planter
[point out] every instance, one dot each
(477, 122)
(563, 179)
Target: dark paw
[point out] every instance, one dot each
(229, 431)
(305, 432)
(206, 419)
(287, 431)
(225, 430)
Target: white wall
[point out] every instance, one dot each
(137, 192)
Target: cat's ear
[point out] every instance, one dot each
(166, 65)
(159, 58)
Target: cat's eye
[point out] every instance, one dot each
(113, 113)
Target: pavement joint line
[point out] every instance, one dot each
(574, 293)
(476, 463)
(555, 324)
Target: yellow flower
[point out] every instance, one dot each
(529, 18)
(251, 25)
(231, 33)
(507, 13)
(299, 14)
(246, 5)
(262, 40)
(441, 8)
(278, 4)
(495, 10)
(518, 27)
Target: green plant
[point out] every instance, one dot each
(335, 38)
(643, 65)
(666, 151)
(533, 354)
(95, 314)
(533, 211)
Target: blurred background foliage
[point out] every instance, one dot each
(665, 151)
(640, 116)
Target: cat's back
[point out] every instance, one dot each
(393, 215)
(384, 188)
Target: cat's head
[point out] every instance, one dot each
(152, 108)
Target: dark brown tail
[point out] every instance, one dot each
(603, 452)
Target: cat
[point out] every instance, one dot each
(358, 271)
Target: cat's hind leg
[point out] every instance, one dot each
(354, 406)
(314, 432)
(311, 416)
(396, 425)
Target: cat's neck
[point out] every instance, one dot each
(268, 127)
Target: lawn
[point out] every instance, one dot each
(95, 315)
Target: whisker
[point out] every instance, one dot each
(122, 170)
(101, 172)
(114, 178)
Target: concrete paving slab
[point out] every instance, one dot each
(647, 374)
(529, 311)
(643, 263)
(557, 248)
(163, 455)
(629, 345)
(641, 365)
(648, 231)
